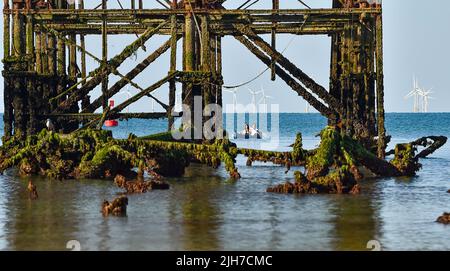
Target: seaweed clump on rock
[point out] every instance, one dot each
(334, 167)
(405, 160)
(340, 181)
(54, 155)
(295, 158)
(95, 154)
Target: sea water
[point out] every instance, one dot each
(204, 210)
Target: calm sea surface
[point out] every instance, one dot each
(205, 211)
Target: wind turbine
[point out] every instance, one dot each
(234, 92)
(306, 107)
(425, 96)
(254, 93)
(264, 97)
(128, 93)
(415, 93)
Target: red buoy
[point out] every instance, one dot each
(111, 123)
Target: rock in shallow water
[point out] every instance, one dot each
(338, 182)
(444, 219)
(118, 207)
(139, 186)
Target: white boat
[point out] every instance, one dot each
(252, 134)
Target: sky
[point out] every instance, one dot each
(416, 43)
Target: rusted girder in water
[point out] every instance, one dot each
(430, 143)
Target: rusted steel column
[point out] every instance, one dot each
(20, 97)
(85, 101)
(275, 7)
(335, 71)
(38, 52)
(6, 29)
(213, 67)
(32, 89)
(206, 67)
(72, 125)
(346, 90)
(7, 90)
(61, 72)
(189, 59)
(52, 60)
(368, 68)
(205, 59)
(355, 76)
(219, 76)
(61, 67)
(72, 70)
(104, 56)
(380, 87)
(173, 66)
(141, 4)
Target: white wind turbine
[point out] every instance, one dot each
(254, 93)
(415, 93)
(234, 92)
(306, 107)
(425, 99)
(264, 97)
(128, 93)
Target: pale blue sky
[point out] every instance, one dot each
(416, 41)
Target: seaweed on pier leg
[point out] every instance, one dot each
(405, 160)
(320, 163)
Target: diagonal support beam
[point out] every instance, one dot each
(116, 110)
(309, 83)
(113, 64)
(128, 77)
(143, 93)
(318, 105)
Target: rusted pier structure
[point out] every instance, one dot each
(45, 52)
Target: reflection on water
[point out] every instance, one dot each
(200, 213)
(205, 211)
(355, 221)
